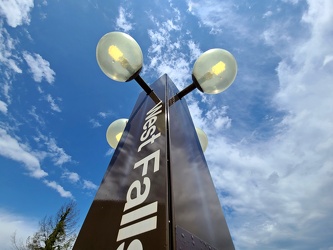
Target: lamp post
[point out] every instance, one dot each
(157, 192)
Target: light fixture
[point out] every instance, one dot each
(119, 56)
(214, 71)
(115, 131)
(203, 139)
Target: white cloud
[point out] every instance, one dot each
(3, 107)
(33, 113)
(89, 185)
(267, 14)
(211, 119)
(71, 176)
(58, 155)
(40, 90)
(13, 223)
(53, 105)
(7, 51)
(6, 88)
(58, 188)
(122, 22)
(11, 148)
(104, 114)
(95, 123)
(39, 67)
(217, 117)
(277, 34)
(216, 14)
(276, 191)
(166, 50)
(170, 25)
(16, 12)
(195, 51)
(328, 59)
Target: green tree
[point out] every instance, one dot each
(55, 233)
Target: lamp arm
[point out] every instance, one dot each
(146, 88)
(182, 93)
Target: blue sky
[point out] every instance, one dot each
(270, 133)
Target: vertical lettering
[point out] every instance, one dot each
(150, 122)
(151, 140)
(134, 245)
(139, 213)
(137, 228)
(147, 133)
(145, 161)
(154, 111)
(136, 185)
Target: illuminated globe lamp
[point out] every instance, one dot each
(120, 58)
(115, 131)
(213, 72)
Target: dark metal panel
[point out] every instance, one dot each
(196, 207)
(132, 198)
(187, 241)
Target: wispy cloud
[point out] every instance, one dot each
(275, 187)
(11, 148)
(71, 176)
(37, 117)
(195, 50)
(3, 107)
(219, 16)
(8, 66)
(39, 67)
(57, 154)
(104, 114)
(166, 52)
(328, 59)
(75, 178)
(59, 189)
(267, 14)
(95, 123)
(7, 51)
(89, 185)
(40, 90)
(16, 12)
(122, 21)
(52, 103)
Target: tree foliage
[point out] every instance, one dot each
(55, 232)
